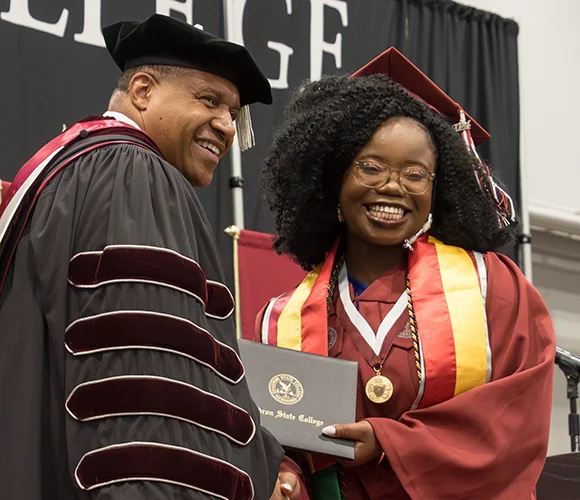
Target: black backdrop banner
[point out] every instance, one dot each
(55, 70)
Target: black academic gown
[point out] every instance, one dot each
(118, 378)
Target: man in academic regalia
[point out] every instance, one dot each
(119, 371)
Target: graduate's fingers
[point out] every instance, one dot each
(360, 431)
(277, 493)
(289, 485)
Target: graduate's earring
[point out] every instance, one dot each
(408, 243)
(339, 214)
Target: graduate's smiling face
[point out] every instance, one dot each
(388, 214)
(191, 119)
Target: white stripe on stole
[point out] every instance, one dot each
(482, 273)
(22, 191)
(266, 320)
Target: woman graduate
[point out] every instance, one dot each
(378, 190)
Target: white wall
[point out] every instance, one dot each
(549, 59)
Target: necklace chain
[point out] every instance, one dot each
(333, 282)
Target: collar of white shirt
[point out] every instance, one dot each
(121, 117)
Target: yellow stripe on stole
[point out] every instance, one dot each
(290, 321)
(467, 313)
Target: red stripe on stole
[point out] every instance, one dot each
(433, 323)
(313, 313)
(279, 305)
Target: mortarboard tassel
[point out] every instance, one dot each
(244, 127)
(506, 211)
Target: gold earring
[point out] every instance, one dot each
(339, 214)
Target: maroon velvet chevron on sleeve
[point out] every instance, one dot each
(149, 395)
(158, 462)
(150, 330)
(155, 265)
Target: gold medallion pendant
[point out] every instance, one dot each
(379, 389)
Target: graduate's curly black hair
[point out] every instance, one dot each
(327, 124)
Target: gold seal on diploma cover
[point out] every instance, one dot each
(286, 389)
(379, 389)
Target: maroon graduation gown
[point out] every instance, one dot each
(487, 443)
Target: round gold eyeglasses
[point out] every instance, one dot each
(373, 174)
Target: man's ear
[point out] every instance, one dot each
(141, 88)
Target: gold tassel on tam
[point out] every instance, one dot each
(244, 127)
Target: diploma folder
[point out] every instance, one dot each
(298, 394)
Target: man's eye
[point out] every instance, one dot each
(234, 115)
(210, 101)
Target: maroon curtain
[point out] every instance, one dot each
(263, 275)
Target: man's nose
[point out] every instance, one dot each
(224, 123)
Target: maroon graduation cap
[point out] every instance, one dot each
(400, 69)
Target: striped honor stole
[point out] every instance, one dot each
(448, 288)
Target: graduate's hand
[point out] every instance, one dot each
(366, 446)
(287, 487)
